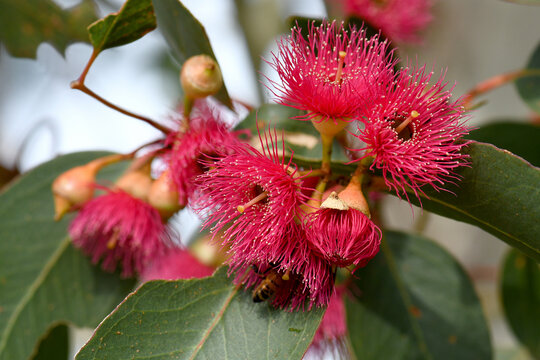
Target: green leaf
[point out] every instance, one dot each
(43, 279)
(520, 290)
(185, 35)
(519, 138)
(414, 301)
(529, 87)
(499, 193)
(205, 318)
(55, 345)
(26, 24)
(300, 136)
(525, 2)
(134, 20)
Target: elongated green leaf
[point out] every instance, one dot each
(185, 35)
(529, 87)
(525, 2)
(520, 290)
(43, 279)
(26, 24)
(499, 193)
(134, 20)
(414, 301)
(55, 345)
(519, 138)
(200, 319)
(300, 136)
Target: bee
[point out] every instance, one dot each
(272, 281)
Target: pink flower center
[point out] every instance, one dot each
(403, 126)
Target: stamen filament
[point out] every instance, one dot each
(339, 71)
(286, 276)
(256, 199)
(414, 114)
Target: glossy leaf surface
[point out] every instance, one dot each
(185, 35)
(499, 193)
(134, 20)
(43, 279)
(414, 301)
(519, 138)
(26, 24)
(520, 290)
(205, 318)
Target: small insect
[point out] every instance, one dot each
(269, 285)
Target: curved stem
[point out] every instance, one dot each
(495, 82)
(80, 86)
(326, 154)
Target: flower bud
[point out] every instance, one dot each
(136, 183)
(163, 196)
(200, 76)
(353, 197)
(75, 187)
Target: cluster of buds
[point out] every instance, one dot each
(125, 224)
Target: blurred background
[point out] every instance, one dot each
(41, 117)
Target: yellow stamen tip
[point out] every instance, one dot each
(285, 277)
(241, 209)
(415, 114)
(342, 54)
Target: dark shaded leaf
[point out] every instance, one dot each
(414, 301)
(529, 87)
(55, 345)
(499, 193)
(26, 24)
(185, 35)
(519, 138)
(43, 279)
(134, 20)
(205, 318)
(520, 290)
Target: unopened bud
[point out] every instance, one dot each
(163, 196)
(353, 197)
(75, 187)
(200, 76)
(136, 183)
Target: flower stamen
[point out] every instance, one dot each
(400, 127)
(341, 62)
(111, 244)
(256, 199)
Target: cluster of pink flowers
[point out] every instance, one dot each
(399, 20)
(407, 126)
(283, 238)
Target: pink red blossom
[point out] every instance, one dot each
(206, 135)
(343, 237)
(176, 264)
(253, 199)
(414, 133)
(400, 20)
(332, 73)
(118, 228)
(333, 327)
